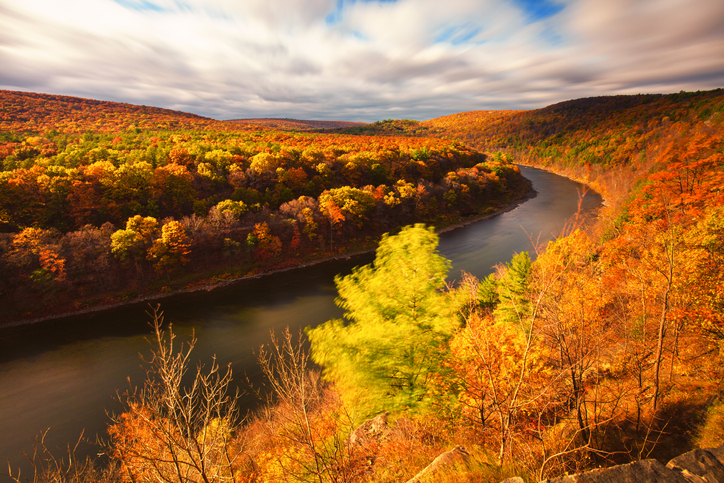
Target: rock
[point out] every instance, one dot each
(701, 465)
(457, 456)
(718, 452)
(646, 471)
(375, 428)
(697, 466)
(513, 479)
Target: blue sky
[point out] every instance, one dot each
(358, 59)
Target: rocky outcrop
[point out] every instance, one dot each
(372, 429)
(456, 457)
(646, 471)
(365, 439)
(698, 466)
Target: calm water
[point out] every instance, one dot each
(64, 374)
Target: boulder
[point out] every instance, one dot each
(646, 471)
(458, 456)
(718, 452)
(372, 429)
(697, 466)
(700, 465)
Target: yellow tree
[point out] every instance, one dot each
(646, 270)
(566, 279)
(172, 250)
(503, 377)
(134, 241)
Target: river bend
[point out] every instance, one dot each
(63, 374)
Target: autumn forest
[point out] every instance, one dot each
(601, 347)
(104, 201)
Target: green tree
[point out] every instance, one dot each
(507, 291)
(236, 207)
(399, 319)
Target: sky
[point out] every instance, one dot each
(358, 60)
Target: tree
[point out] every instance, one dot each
(134, 241)
(504, 378)
(353, 203)
(172, 249)
(574, 325)
(308, 425)
(173, 431)
(512, 289)
(334, 215)
(398, 322)
(266, 245)
(38, 254)
(172, 191)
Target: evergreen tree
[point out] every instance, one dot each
(399, 319)
(513, 305)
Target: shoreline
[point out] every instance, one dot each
(224, 283)
(562, 174)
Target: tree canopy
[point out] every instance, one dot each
(398, 321)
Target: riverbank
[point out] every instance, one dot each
(65, 373)
(220, 281)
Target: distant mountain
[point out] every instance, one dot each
(296, 124)
(33, 112)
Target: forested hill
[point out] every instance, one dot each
(30, 112)
(609, 142)
(38, 113)
(295, 124)
(102, 197)
(591, 139)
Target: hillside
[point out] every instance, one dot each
(609, 142)
(604, 348)
(296, 124)
(29, 112)
(393, 127)
(140, 200)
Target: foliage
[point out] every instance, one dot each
(555, 365)
(711, 431)
(504, 377)
(70, 165)
(308, 423)
(398, 322)
(512, 302)
(172, 431)
(609, 142)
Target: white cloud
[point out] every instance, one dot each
(364, 60)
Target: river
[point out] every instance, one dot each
(63, 374)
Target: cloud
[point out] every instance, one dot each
(358, 60)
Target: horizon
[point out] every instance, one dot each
(358, 60)
(332, 120)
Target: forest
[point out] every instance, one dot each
(602, 347)
(104, 202)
